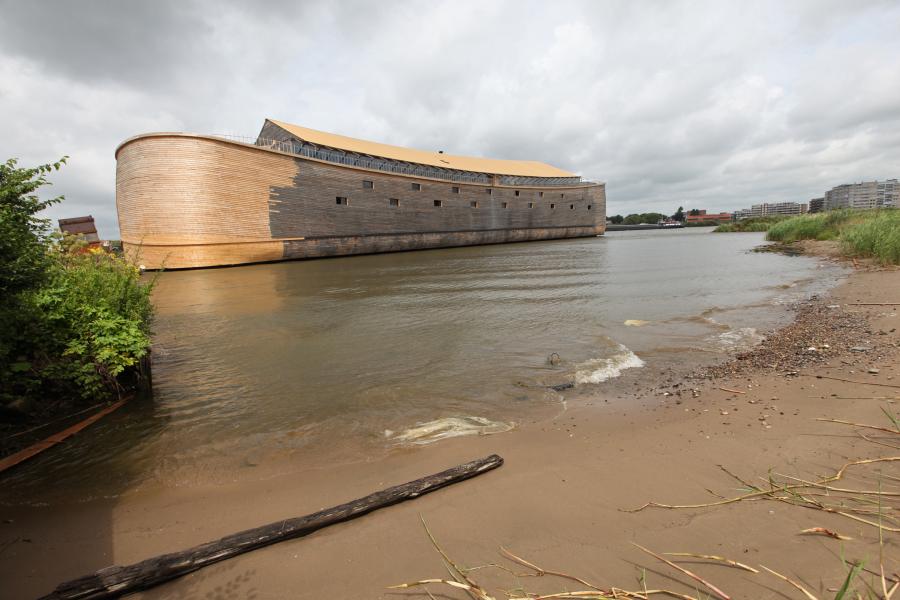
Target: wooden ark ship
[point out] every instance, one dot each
(187, 200)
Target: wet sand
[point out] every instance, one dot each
(557, 500)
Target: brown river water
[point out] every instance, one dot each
(266, 368)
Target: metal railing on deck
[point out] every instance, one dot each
(395, 166)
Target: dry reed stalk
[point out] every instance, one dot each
(863, 425)
(452, 583)
(613, 594)
(539, 572)
(892, 578)
(721, 559)
(460, 580)
(743, 481)
(724, 389)
(890, 385)
(722, 595)
(859, 397)
(825, 532)
(757, 494)
(790, 581)
(873, 303)
(815, 506)
(837, 489)
(794, 498)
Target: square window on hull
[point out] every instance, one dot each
(473, 204)
(394, 201)
(438, 203)
(341, 200)
(368, 185)
(415, 186)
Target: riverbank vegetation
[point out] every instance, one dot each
(74, 321)
(863, 233)
(860, 233)
(755, 224)
(650, 218)
(637, 219)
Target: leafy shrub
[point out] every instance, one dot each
(98, 312)
(72, 320)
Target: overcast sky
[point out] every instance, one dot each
(713, 105)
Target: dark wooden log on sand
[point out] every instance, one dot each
(115, 581)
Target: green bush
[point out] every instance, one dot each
(72, 320)
(98, 312)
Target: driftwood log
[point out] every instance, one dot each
(115, 581)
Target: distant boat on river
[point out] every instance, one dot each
(669, 224)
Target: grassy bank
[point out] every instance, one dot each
(756, 224)
(869, 233)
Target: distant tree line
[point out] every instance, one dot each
(651, 217)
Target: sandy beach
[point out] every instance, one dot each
(561, 497)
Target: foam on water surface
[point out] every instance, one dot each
(742, 338)
(598, 370)
(447, 427)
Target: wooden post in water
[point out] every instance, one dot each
(115, 581)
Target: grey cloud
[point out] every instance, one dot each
(707, 104)
(103, 40)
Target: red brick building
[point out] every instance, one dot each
(703, 217)
(83, 227)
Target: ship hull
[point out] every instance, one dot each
(189, 201)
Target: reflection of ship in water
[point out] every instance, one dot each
(242, 291)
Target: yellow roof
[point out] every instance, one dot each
(523, 168)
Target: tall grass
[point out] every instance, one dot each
(755, 224)
(878, 237)
(821, 226)
(864, 233)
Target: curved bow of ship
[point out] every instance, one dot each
(188, 201)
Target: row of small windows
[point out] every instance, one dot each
(343, 201)
(416, 187)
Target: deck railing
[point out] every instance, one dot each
(396, 166)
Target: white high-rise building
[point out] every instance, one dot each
(767, 210)
(865, 195)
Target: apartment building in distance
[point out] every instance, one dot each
(817, 205)
(768, 210)
(864, 195)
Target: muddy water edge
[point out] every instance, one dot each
(268, 369)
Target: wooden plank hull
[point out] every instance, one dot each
(188, 201)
